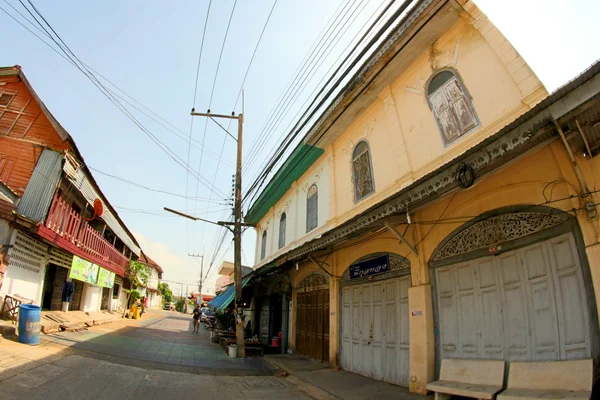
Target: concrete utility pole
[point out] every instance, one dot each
(200, 299)
(237, 226)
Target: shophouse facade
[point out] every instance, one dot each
(152, 293)
(443, 206)
(56, 225)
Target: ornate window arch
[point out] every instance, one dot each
(312, 208)
(500, 230)
(282, 228)
(451, 105)
(313, 281)
(362, 171)
(263, 245)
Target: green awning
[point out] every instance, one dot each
(297, 163)
(223, 300)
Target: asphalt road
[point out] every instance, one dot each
(166, 338)
(157, 358)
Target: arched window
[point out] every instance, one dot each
(361, 171)
(282, 221)
(263, 245)
(312, 208)
(451, 106)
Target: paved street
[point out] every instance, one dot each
(162, 337)
(158, 357)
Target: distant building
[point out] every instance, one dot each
(226, 275)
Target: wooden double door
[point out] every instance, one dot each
(312, 324)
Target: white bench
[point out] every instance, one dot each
(549, 380)
(479, 379)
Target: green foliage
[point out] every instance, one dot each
(225, 320)
(138, 274)
(166, 292)
(133, 296)
(179, 305)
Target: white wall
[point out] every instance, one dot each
(91, 298)
(293, 203)
(25, 279)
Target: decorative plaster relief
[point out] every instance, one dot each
(445, 180)
(313, 281)
(498, 229)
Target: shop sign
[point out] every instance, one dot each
(106, 278)
(84, 270)
(374, 266)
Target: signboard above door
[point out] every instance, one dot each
(374, 266)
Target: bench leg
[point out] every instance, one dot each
(442, 396)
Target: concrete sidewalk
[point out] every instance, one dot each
(323, 382)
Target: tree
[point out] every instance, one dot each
(166, 292)
(138, 274)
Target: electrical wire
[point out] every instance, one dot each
(240, 91)
(187, 175)
(153, 115)
(201, 199)
(306, 117)
(273, 149)
(307, 66)
(206, 121)
(106, 92)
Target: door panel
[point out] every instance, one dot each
(375, 332)
(528, 304)
(312, 324)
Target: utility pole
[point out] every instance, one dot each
(200, 299)
(237, 225)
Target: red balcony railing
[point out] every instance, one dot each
(80, 238)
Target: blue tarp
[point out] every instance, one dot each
(224, 299)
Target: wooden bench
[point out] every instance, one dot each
(480, 379)
(549, 380)
(254, 349)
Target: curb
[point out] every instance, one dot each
(303, 385)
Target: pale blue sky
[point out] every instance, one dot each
(151, 52)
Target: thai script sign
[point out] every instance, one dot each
(83, 270)
(373, 266)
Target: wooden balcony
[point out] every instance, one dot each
(67, 229)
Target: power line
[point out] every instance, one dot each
(206, 122)
(153, 115)
(273, 151)
(298, 78)
(187, 175)
(306, 117)
(242, 86)
(203, 199)
(106, 92)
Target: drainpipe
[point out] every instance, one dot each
(590, 208)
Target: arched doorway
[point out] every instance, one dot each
(514, 284)
(374, 338)
(312, 319)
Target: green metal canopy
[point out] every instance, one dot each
(223, 300)
(297, 163)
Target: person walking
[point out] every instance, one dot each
(196, 315)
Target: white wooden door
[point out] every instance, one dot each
(527, 304)
(375, 337)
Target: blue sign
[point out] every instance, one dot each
(373, 266)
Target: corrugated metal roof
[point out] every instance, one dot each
(85, 187)
(40, 189)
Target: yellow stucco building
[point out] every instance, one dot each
(442, 206)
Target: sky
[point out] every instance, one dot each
(151, 53)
